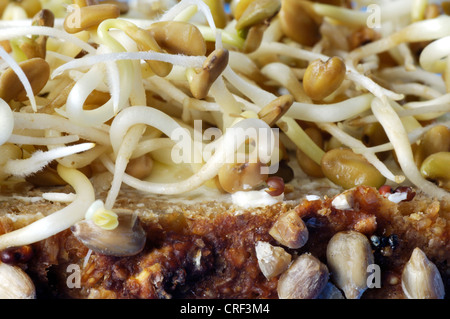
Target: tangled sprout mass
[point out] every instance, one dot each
(95, 88)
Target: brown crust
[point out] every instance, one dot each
(206, 250)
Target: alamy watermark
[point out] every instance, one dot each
(246, 142)
(373, 21)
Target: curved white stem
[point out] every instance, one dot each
(21, 75)
(6, 122)
(397, 135)
(224, 152)
(39, 159)
(57, 221)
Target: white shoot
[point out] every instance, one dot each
(39, 159)
(59, 220)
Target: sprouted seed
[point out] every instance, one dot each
(124, 85)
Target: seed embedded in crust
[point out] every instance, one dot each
(272, 260)
(127, 239)
(349, 255)
(421, 278)
(15, 283)
(304, 279)
(290, 230)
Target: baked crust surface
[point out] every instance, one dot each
(207, 249)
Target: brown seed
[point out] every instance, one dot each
(177, 37)
(362, 36)
(276, 186)
(90, 16)
(127, 239)
(37, 71)
(36, 46)
(273, 111)
(16, 255)
(46, 177)
(140, 167)
(213, 66)
(256, 12)
(145, 42)
(123, 6)
(239, 177)
(254, 37)
(298, 23)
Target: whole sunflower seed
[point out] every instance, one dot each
(421, 278)
(349, 255)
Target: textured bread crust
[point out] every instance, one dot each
(198, 249)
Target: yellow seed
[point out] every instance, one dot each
(436, 139)
(323, 78)
(348, 169)
(240, 7)
(8, 151)
(13, 11)
(3, 5)
(87, 17)
(436, 167)
(217, 8)
(31, 7)
(256, 12)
